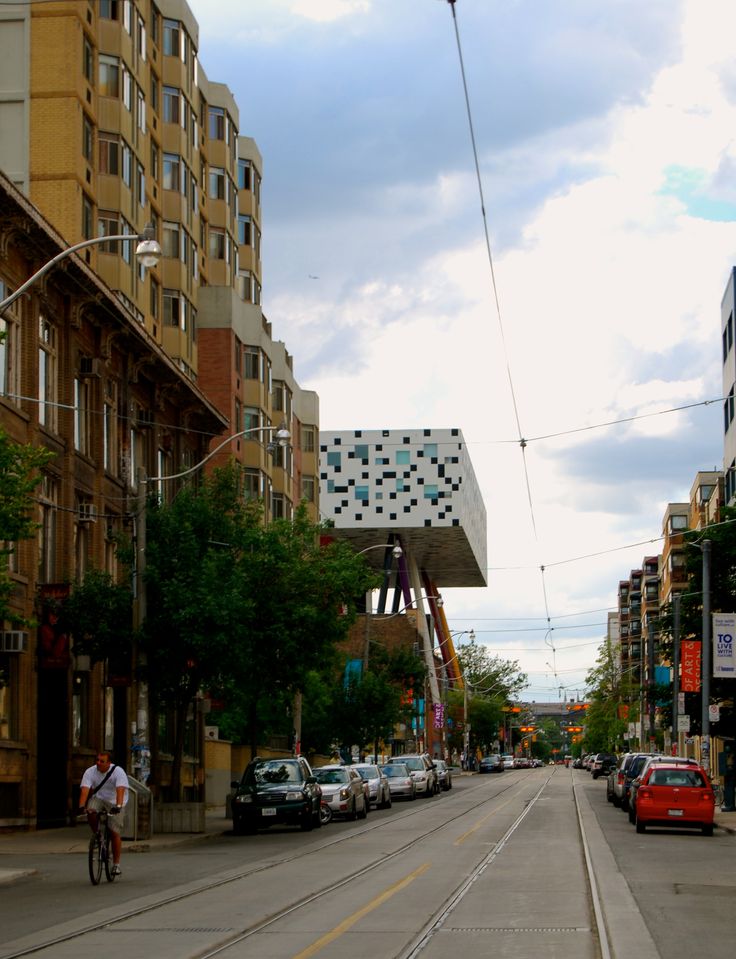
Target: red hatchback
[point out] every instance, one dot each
(671, 795)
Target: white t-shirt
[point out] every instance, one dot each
(93, 777)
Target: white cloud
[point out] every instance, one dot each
(325, 11)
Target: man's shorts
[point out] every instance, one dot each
(114, 823)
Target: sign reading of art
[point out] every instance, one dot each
(690, 666)
(724, 628)
(439, 714)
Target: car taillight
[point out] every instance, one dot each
(707, 795)
(620, 778)
(645, 792)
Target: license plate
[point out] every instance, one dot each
(674, 812)
(268, 812)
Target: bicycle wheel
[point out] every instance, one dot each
(94, 859)
(109, 874)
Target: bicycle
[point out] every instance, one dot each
(100, 851)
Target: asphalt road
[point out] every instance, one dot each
(516, 836)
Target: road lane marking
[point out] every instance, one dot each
(363, 911)
(461, 839)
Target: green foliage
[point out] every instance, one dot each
(607, 691)
(19, 477)
(98, 615)
(237, 606)
(490, 675)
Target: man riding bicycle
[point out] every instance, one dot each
(105, 786)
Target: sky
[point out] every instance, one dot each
(605, 141)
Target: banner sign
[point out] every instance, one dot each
(724, 629)
(439, 714)
(690, 666)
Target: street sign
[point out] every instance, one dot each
(683, 724)
(714, 713)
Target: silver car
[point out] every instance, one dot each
(422, 772)
(379, 793)
(400, 782)
(342, 790)
(444, 774)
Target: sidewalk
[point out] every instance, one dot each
(75, 839)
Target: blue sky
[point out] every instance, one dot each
(606, 150)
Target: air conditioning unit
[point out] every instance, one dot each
(13, 641)
(87, 513)
(211, 732)
(90, 366)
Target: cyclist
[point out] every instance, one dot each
(105, 786)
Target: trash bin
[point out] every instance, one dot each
(138, 812)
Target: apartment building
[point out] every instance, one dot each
(109, 122)
(728, 359)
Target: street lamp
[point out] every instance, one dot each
(396, 552)
(148, 252)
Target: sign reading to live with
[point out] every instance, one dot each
(690, 666)
(724, 628)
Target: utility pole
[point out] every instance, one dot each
(705, 660)
(676, 670)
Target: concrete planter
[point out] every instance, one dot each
(178, 817)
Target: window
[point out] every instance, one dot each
(81, 416)
(309, 486)
(87, 140)
(47, 371)
(334, 458)
(87, 218)
(252, 357)
(430, 491)
(728, 410)
(127, 88)
(402, 457)
(154, 93)
(245, 286)
(171, 240)
(217, 183)
(155, 292)
(88, 61)
(244, 230)
(127, 165)
(308, 439)
(110, 428)
(172, 178)
(140, 185)
(172, 38)
(109, 9)
(8, 708)
(127, 18)
(9, 348)
(244, 177)
(48, 499)
(216, 123)
(108, 225)
(109, 153)
(217, 244)
(140, 102)
(172, 308)
(140, 35)
(430, 450)
(678, 523)
(251, 418)
(278, 510)
(109, 73)
(278, 396)
(252, 485)
(172, 104)
(361, 493)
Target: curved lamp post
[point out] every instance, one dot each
(148, 252)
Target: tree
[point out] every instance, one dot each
(19, 477)
(238, 606)
(486, 674)
(607, 691)
(98, 614)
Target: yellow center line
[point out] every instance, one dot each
(369, 907)
(480, 822)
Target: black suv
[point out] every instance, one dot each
(276, 791)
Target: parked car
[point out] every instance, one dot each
(276, 791)
(379, 793)
(602, 764)
(444, 774)
(492, 764)
(343, 791)
(400, 781)
(631, 765)
(508, 761)
(422, 771)
(649, 761)
(671, 794)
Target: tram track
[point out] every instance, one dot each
(207, 885)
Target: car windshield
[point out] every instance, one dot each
(273, 771)
(440, 764)
(330, 776)
(676, 777)
(369, 772)
(413, 763)
(395, 770)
